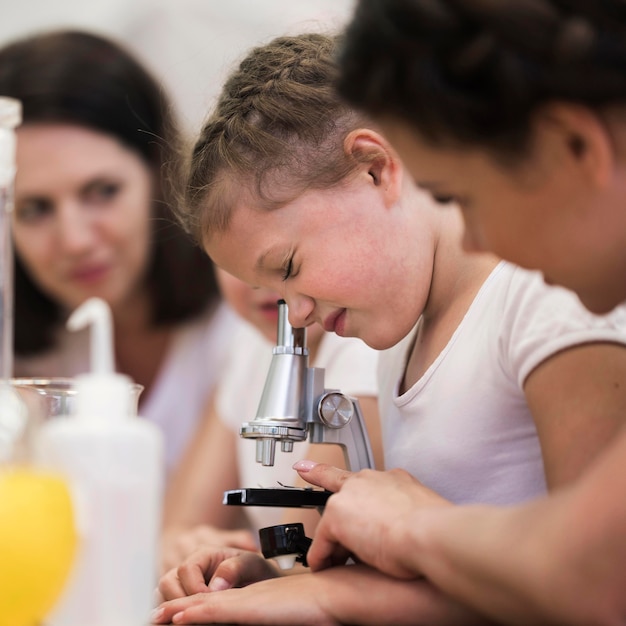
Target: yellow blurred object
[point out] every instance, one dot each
(37, 544)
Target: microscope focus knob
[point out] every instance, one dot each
(335, 409)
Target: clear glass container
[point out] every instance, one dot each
(13, 412)
(58, 394)
(10, 118)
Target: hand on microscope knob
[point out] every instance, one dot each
(215, 568)
(369, 517)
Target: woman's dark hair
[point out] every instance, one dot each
(473, 72)
(84, 79)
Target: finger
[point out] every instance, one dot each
(241, 570)
(207, 611)
(163, 614)
(170, 587)
(322, 475)
(199, 567)
(325, 553)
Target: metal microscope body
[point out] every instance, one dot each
(295, 405)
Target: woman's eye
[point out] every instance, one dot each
(101, 192)
(33, 210)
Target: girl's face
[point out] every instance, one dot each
(82, 213)
(346, 258)
(545, 216)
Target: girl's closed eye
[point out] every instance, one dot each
(288, 268)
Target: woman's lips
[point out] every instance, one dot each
(89, 275)
(335, 322)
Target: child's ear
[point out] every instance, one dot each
(585, 138)
(379, 162)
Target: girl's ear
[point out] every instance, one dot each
(380, 163)
(585, 138)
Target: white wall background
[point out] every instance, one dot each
(190, 44)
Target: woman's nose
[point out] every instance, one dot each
(74, 229)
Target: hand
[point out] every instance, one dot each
(178, 544)
(353, 594)
(370, 516)
(215, 568)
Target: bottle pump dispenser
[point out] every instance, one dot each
(114, 464)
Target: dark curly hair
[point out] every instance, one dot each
(84, 79)
(473, 72)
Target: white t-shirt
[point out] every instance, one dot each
(464, 428)
(185, 380)
(350, 367)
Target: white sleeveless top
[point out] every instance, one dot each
(464, 428)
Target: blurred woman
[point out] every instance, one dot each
(95, 157)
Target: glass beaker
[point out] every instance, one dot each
(47, 398)
(58, 394)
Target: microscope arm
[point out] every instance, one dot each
(337, 418)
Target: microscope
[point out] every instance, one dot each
(294, 406)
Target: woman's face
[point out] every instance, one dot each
(82, 213)
(341, 257)
(544, 215)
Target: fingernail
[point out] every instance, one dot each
(219, 584)
(177, 618)
(304, 466)
(156, 615)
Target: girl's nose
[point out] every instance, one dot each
(300, 310)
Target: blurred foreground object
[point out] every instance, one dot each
(113, 461)
(37, 533)
(37, 544)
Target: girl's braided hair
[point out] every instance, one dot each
(278, 122)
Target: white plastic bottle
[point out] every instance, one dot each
(114, 462)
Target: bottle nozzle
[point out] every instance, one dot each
(96, 312)
(102, 392)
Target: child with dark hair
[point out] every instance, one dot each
(516, 111)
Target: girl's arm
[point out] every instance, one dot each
(578, 401)
(193, 511)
